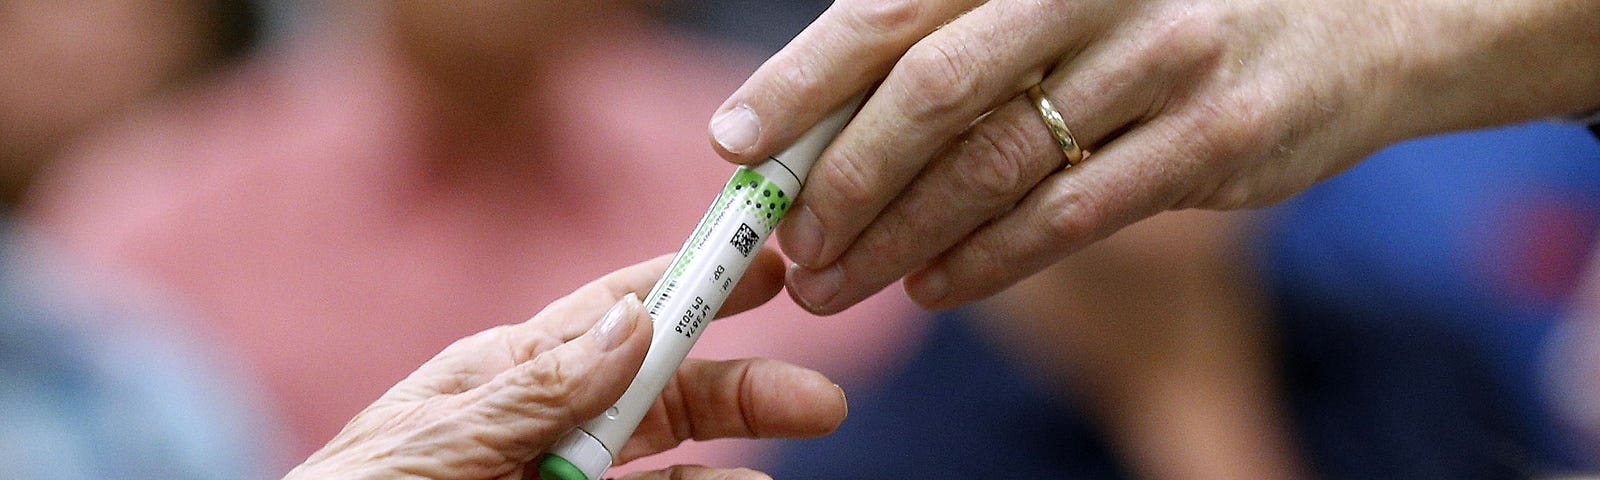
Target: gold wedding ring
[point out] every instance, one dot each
(1058, 127)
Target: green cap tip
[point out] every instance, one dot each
(553, 467)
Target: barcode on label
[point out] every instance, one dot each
(661, 300)
(745, 239)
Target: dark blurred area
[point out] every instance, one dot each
(765, 25)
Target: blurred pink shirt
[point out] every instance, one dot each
(293, 205)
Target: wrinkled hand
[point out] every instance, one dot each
(949, 175)
(491, 403)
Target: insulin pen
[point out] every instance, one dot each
(688, 296)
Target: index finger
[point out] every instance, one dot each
(852, 45)
(947, 81)
(572, 315)
(761, 282)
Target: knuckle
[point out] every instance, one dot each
(849, 182)
(1191, 24)
(888, 16)
(1228, 128)
(747, 474)
(1069, 217)
(976, 264)
(687, 472)
(880, 255)
(938, 79)
(487, 336)
(799, 73)
(1251, 190)
(1231, 196)
(1191, 38)
(995, 160)
(551, 380)
(497, 332)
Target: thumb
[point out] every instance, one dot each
(528, 407)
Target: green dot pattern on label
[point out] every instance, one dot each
(752, 192)
(746, 191)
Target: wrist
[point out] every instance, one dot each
(1479, 64)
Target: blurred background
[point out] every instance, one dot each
(231, 225)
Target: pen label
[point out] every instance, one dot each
(717, 253)
(694, 317)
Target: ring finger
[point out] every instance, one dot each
(995, 163)
(943, 84)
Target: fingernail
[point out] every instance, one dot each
(802, 237)
(815, 289)
(736, 130)
(618, 323)
(844, 397)
(928, 288)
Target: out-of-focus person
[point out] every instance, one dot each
(69, 65)
(1427, 293)
(97, 378)
(1426, 319)
(1149, 355)
(394, 176)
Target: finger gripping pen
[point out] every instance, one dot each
(688, 296)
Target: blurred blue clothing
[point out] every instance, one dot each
(1414, 295)
(959, 409)
(766, 25)
(1419, 291)
(95, 388)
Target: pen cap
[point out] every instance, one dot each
(799, 157)
(578, 456)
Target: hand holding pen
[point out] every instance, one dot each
(984, 104)
(490, 404)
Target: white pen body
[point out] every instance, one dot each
(700, 278)
(693, 289)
